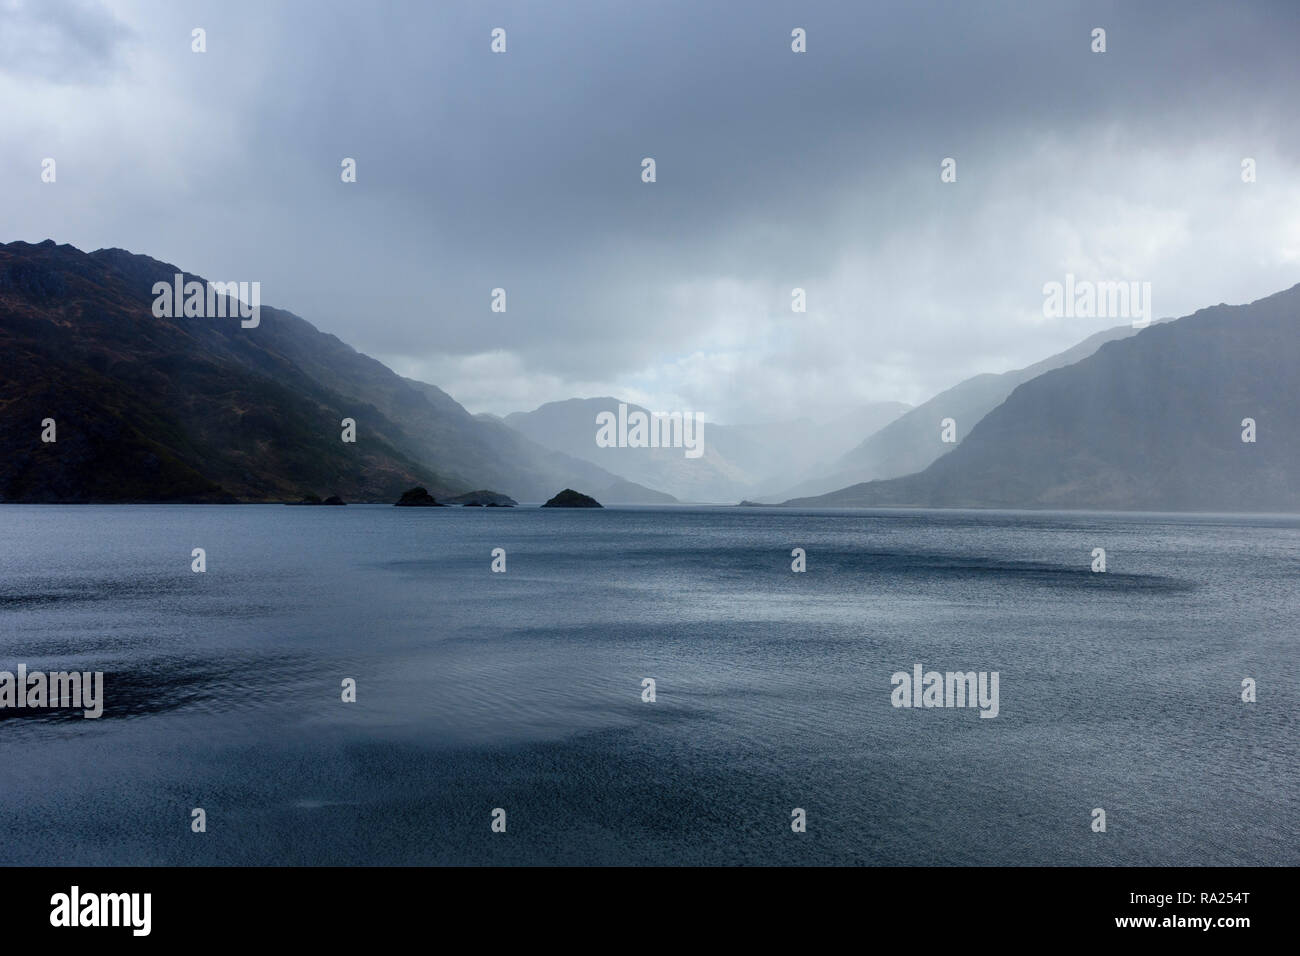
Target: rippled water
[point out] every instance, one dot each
(523, 690)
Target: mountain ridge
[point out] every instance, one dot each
(735, 461)
(1151, 422)
(912, 442)
(198, 409)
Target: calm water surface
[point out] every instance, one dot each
(523, 690)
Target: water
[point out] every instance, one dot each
(523, 690)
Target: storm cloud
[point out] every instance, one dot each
(775, 170)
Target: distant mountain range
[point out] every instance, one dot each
(913, 441)
(200, 409)
(1152, 421)
(736, 459)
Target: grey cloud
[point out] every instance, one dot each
(775, 170)
(61, 41)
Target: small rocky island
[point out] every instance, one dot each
(482, 499)
(315, 500)
(568, 498)
(418, 497)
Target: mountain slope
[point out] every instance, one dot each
(570, 427)
(1151, 422)
(736, 459)
(502, 456)
(910, 443)
(198, 409)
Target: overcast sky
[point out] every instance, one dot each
(775, 170)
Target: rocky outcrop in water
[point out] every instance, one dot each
(568, 498)
(418, 498)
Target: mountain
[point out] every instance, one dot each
(570, 427)
(507, 459)
(624, 492)
(736, 459)
(910, 443)
(1148, 422)
(202, 409)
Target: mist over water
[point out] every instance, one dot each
(523, 690)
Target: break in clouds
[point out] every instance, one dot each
(775, 170)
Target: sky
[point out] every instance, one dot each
(775, 170)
